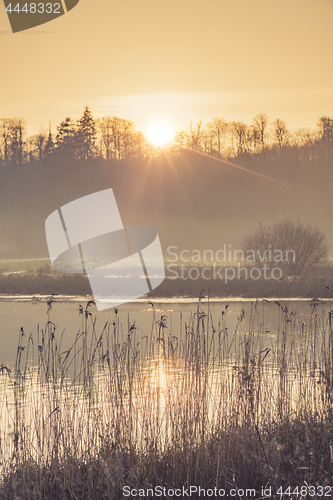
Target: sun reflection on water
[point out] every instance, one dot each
(157, 391)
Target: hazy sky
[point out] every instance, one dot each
(190, 59)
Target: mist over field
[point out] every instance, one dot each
(194, 202)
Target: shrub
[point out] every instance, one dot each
(293, 246)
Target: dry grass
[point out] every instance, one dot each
(208, 407)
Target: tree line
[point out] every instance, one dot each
(118, 139)
(229, 139)
(112, 138)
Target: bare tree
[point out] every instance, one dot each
(253, 139)
(106, 138)
(239, 131)
(119, 138)
(196, 136)
(181, 138)
(5, 139)
(325, 125)
(13, 134)
(260, 123)
(291, 246)
(280, 132)
(19, 131)
(302, 137)
(37, 144)
(216, 130)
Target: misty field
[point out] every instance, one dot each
(217, 407)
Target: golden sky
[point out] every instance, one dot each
(187, 59)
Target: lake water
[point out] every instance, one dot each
(145, 372)
(234, 317)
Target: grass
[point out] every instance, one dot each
(209, 407)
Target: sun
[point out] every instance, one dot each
(160, 132)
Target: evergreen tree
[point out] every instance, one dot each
(86, 128)
(66, 139)
(49, 146)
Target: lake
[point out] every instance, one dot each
(30, 313)
(77, 381)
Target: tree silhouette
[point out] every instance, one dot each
(240, 134)
(37, 144)
(6, 140)
(196, 136)
(66, 139)
(280, 132)
(119, 138)
(260, 123)
(49, 146)
(86, 135)
(296, 246)
(13, 134)
(217, 129)
(325, 125)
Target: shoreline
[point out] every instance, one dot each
(317, 285)
(36, 298)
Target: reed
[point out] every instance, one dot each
(243, 409)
